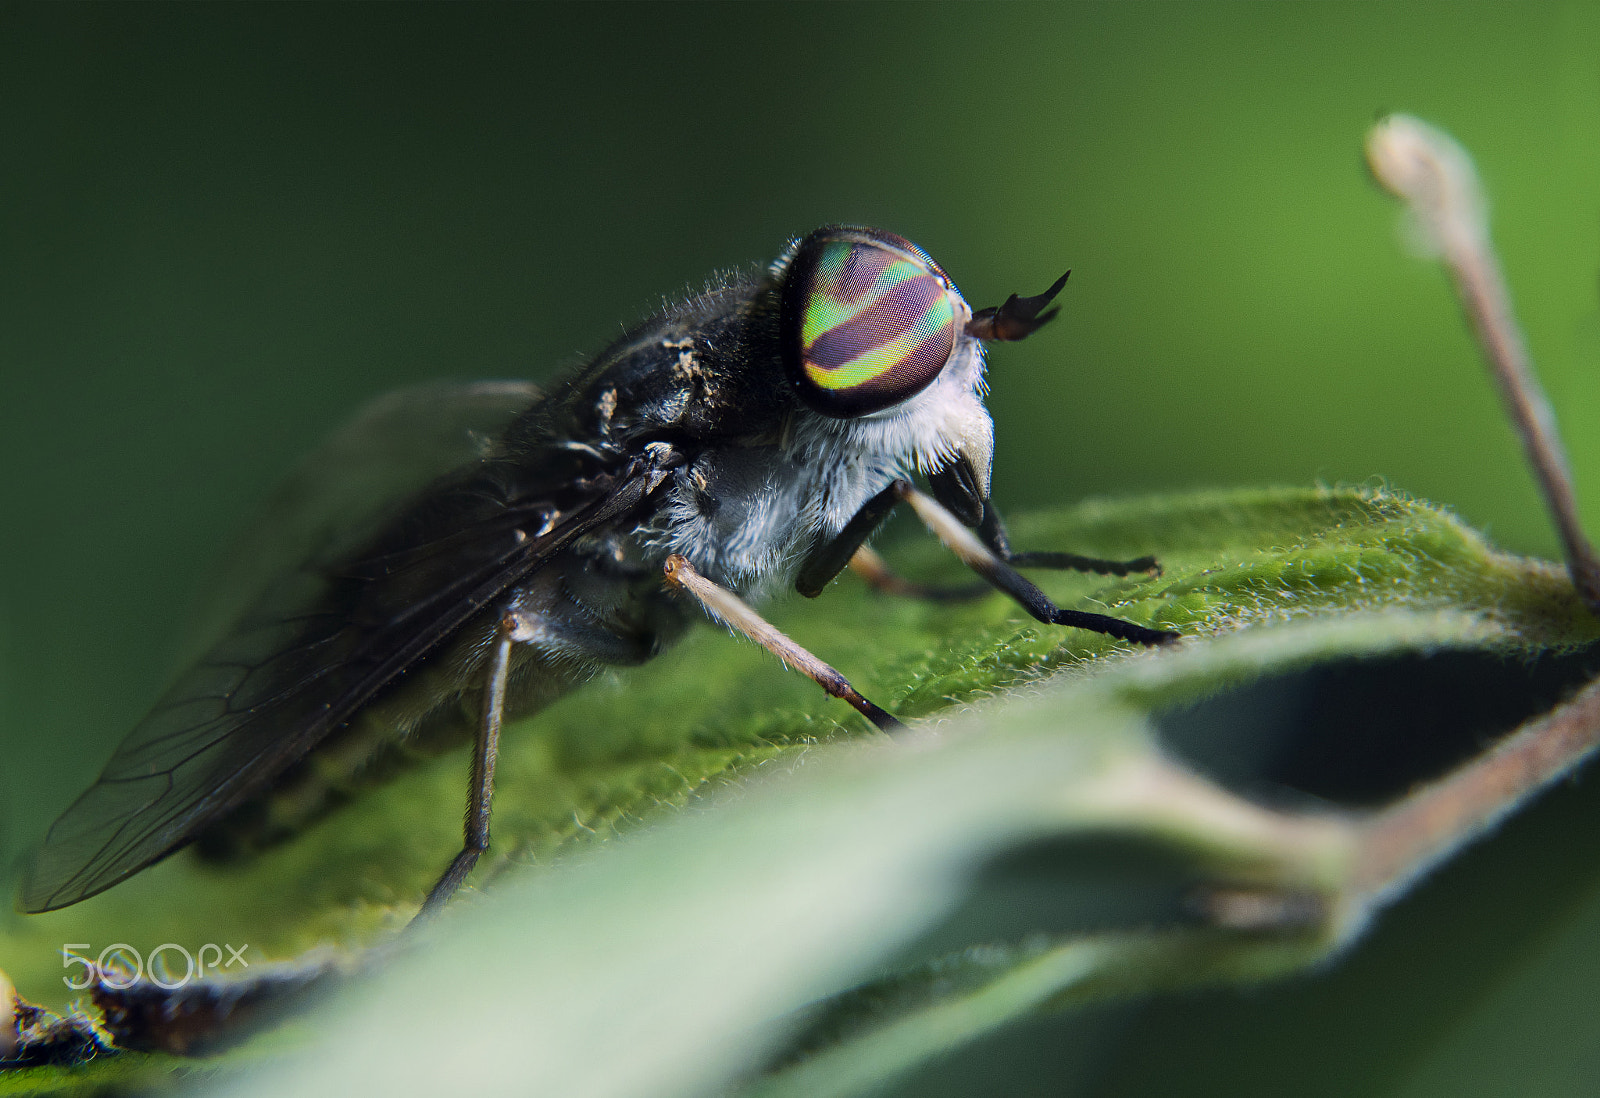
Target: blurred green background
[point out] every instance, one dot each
(224, 227)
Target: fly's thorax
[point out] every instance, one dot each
(705, 370)
(794, 397)
(746, 515)
(739, 513)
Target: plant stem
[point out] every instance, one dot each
(1434, 176)
(1406, 840)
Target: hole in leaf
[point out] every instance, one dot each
(1362, 732)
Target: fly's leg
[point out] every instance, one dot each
(992, 532)
(732, 611)
(827, 561)
(989, 564)
(481, 790)
(991, 558)
(849, 549)
(877, 574)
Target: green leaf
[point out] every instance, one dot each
(817, 857)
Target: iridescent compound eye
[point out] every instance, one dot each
(868, 320)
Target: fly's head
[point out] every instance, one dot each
(885, 354)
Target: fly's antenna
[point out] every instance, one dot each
(1018, 318)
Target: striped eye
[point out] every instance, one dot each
(868, 320)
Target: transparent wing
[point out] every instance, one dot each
(320, 642)
(351, 486)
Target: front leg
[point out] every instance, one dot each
(827, 561)
(992, 532)
(964, 493)
(849, 549)
(991, 558)
(993, 566)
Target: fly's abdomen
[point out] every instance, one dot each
(581, 614)
(410, 724)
